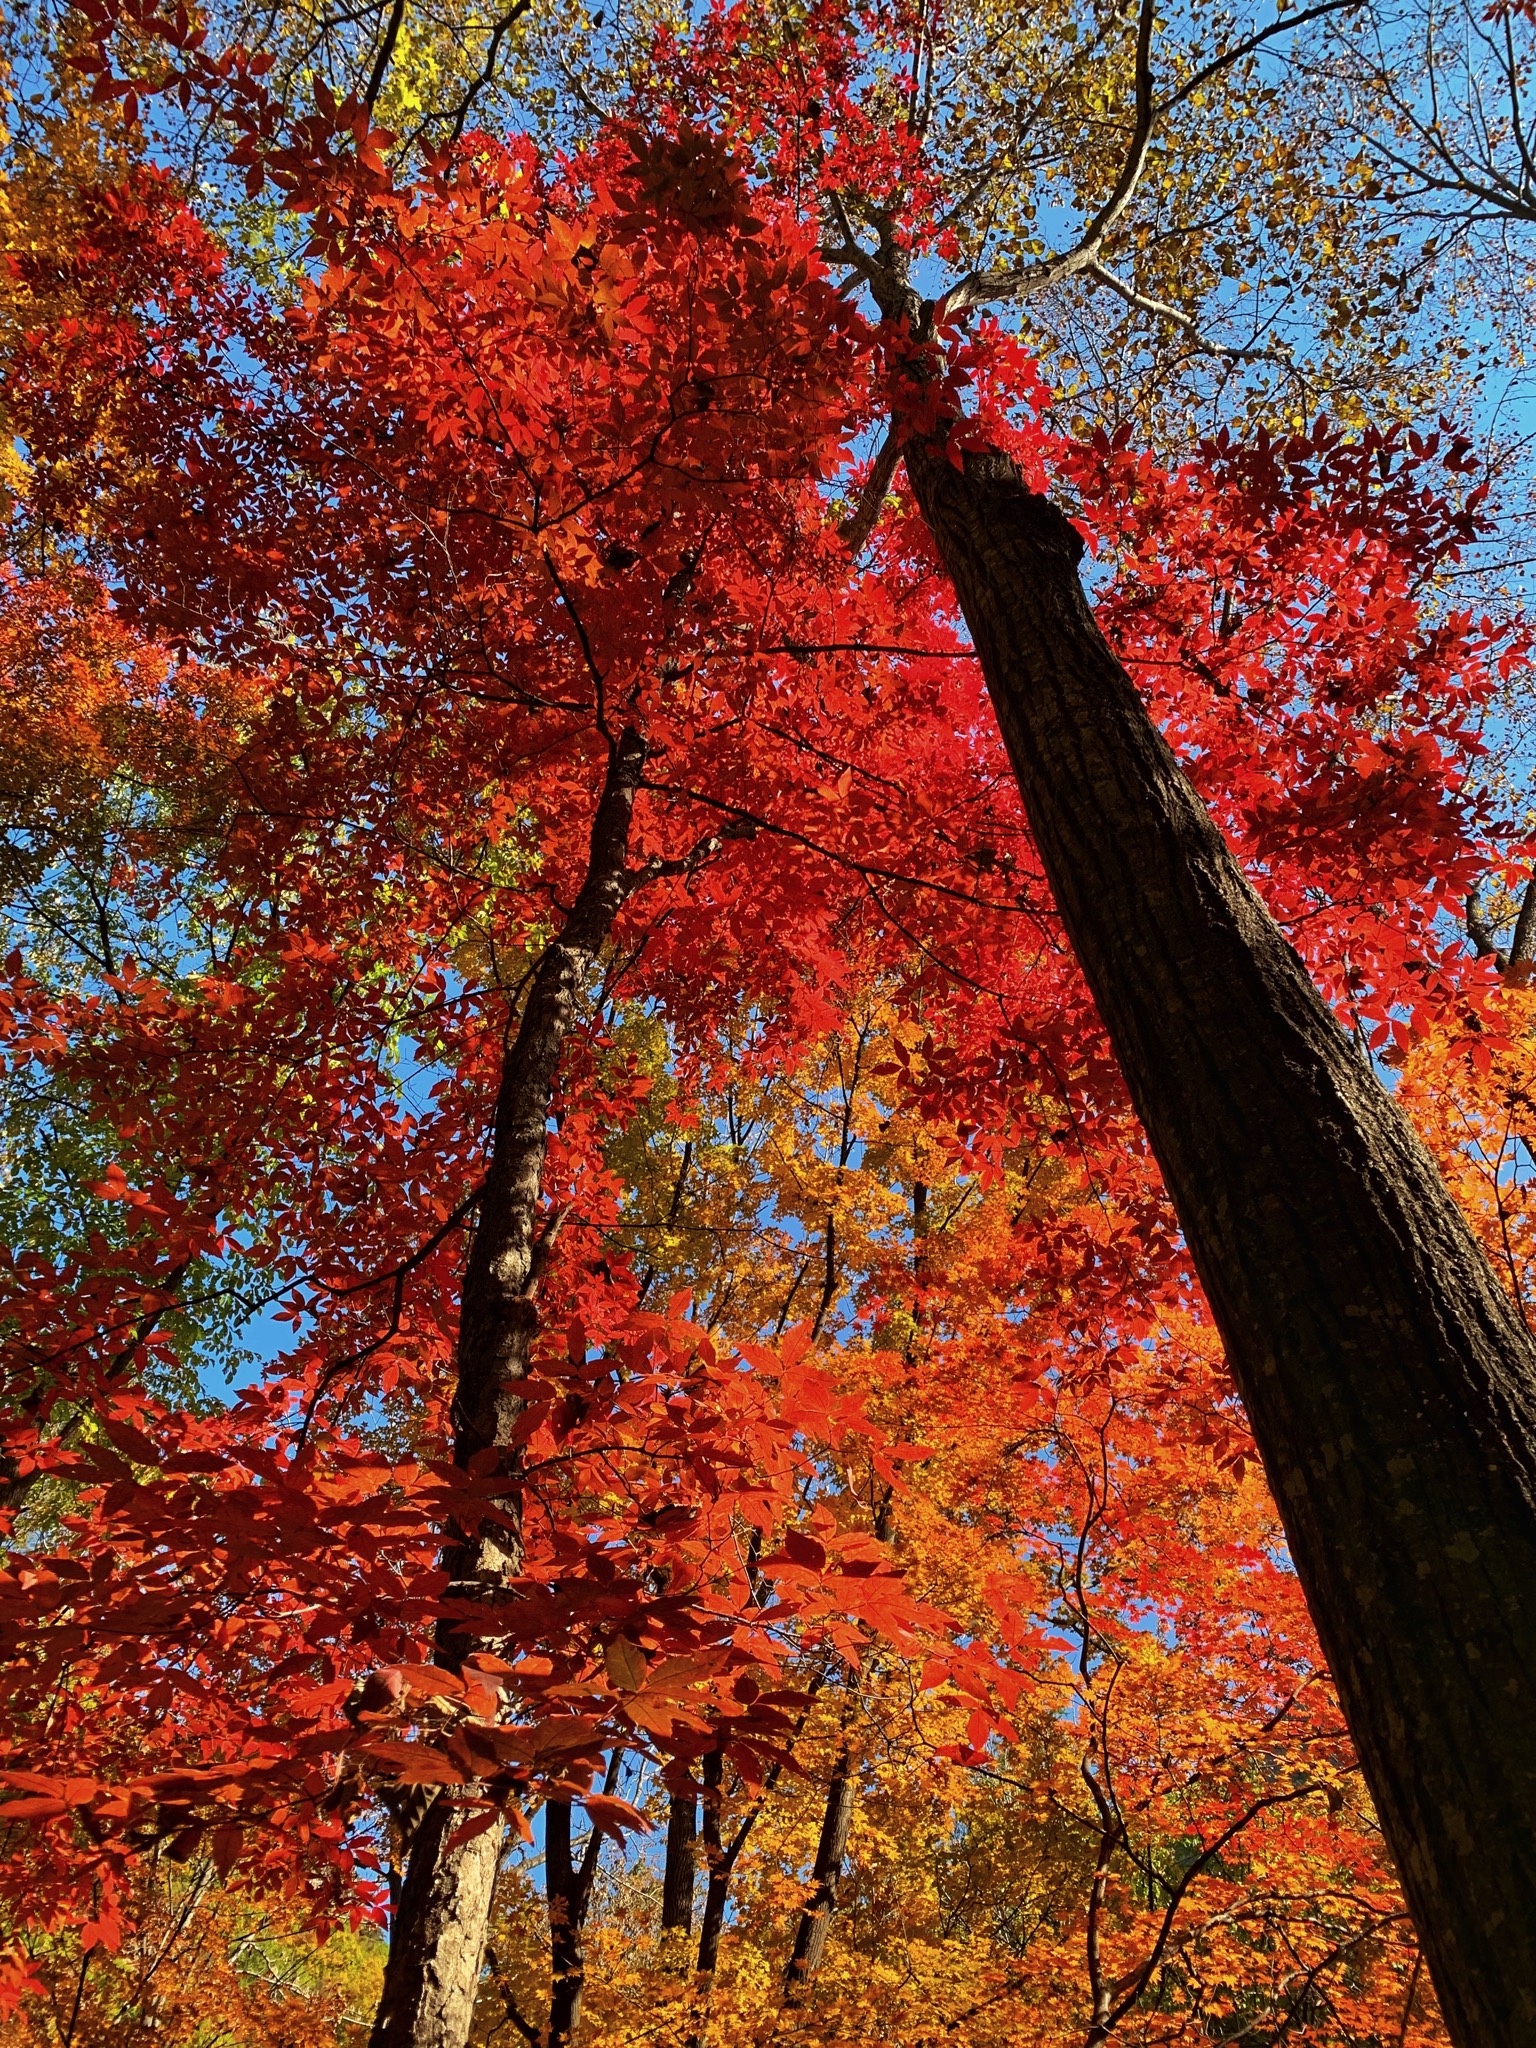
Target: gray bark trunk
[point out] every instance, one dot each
(437, 1943)
(1389, 1381)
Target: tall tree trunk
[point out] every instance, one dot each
(438, 1939)
(720, 1859)
(831, 1848)
(720, 1862)
(1390, 1382)
(678, 1875)
(566, 1958)
(568, 1895)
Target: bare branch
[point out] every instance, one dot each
(1145, 303)
(1281, 25)
(513, 15)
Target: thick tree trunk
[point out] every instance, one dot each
(816, 1917)
(445, 1910)
(1390, 1383)
(677, 1880)
(438, 1940)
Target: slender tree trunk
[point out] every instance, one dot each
(720, 1865)
(678, 1876)
(831, 1848)
(1390, 1382)
(438, 1940)
(721, 1859)
(566, 1958)
(568, 1895)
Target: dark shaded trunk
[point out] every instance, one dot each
(1390, 1382)
(1522, 947)
(438, 1939)
(831, 1848)
(567, 1965)
(568, 1896)
(677, 1879)
(719, 1862)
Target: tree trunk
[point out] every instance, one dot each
(430, 1985)
(831, 1848)
(567, 1962)
(1389, 1381)
(678, 1875)
(568, 1895)
(720, 1864)
(438, 1939)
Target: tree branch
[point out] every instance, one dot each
(862, 521)
(989, 287)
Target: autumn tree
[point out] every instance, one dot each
(200, 1965)
(1379, 1359)
(1083, 1825)
(169, 1017)
(1121, 895)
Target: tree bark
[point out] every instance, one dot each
(816, 1916)
(1522, 947)
(720, 1862)
(437, 1943)
(677, 1880)
(1390, 1383)
(562, 1885)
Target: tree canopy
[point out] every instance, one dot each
(599, 1369)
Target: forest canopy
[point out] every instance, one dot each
(768, 1025)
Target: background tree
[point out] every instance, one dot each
(1086, 1507)
(201, 1966)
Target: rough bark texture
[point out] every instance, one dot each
(438, 1939)
(831, 1848)
(445, 1908)
(1390, 1382)
(677, 1879)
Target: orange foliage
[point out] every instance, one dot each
(1472, 1094)
(1115, 1800)
(201, 1967)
